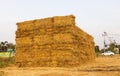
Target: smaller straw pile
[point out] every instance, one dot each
(53, 42)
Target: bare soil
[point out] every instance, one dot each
(102, 66)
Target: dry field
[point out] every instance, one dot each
(102, 66)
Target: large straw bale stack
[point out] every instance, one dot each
(53, 42)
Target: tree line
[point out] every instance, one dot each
(5, 46)
(111, 47)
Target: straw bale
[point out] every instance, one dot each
(62, 37)
(37, 46)
(24, 33)
(43, 39)
(30, 33)
(43, 32)
(58, 46)
(38, 53)
(35, 24)
(44, 23)
(63, 52)
(24, 49)
(21, 57)
(64, 20)
(27, 25)
(25, 41)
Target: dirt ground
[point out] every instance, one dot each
(102, 66)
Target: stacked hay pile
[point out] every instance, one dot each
(53, 42)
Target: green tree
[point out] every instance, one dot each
(97, 49)
(118, 46)
(111, 47)
(3, 46)
(0, 46)
(11, 46)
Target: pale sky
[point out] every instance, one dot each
(93, 16)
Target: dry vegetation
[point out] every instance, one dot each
(52, 42)
(102, 66)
